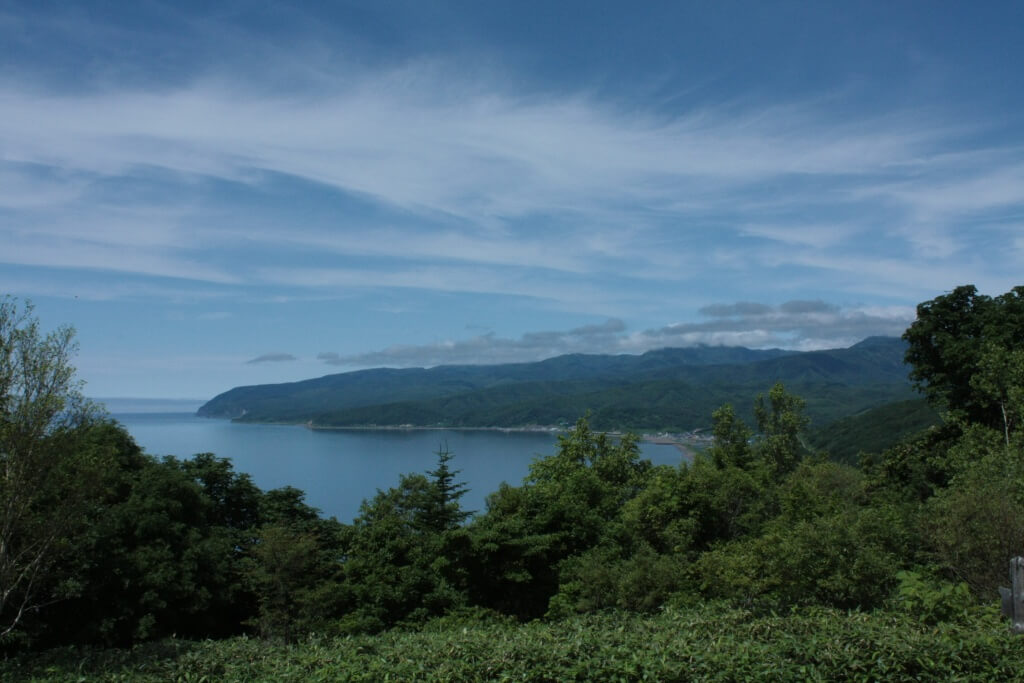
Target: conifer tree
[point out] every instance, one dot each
(443, 512)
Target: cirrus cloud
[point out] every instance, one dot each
(271, 358)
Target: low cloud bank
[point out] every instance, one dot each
(490, 348)
(800, 324)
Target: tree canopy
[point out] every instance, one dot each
(954, 349)
(46, 472)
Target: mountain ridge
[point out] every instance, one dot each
(669, 388)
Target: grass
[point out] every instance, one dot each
(706, 643)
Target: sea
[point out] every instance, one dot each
(339, 469)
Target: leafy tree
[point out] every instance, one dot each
(46, 480)
(289, 572)
(999, 380)
(827, 546)
(976, 524)
(731, 445)
(659, 515)
(913, 470)
(607, 576)
(568, 504)
(234, 500)
(949, 340)
(781, 421)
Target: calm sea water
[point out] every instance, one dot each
(339, 469)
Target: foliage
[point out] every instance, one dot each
(405, 555)
(976, 524)
(757, 521)
(604, 577)
(48, 476)
(947, 345)
(166, 550)
(704, 643)
(780, 422)
(999, 381)
(914, 469)
(826, 547)
(567, 505)
(731, 445)
(932, 599)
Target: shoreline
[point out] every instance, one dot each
(686, 446)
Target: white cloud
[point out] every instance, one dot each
(463, 151)
(798, 324)
(801, 325)
(818, 236)
(489, 348)
(499, 184)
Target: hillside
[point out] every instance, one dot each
(666, 389)
(873, 430)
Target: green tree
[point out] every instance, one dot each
(443, 512)
(405, 554)
(731, 445)
(976, 523)
(999, 380)
(569, 503)
(949, 340)
(780, 421)
(826, 546)
(293, 579)
(46, 481)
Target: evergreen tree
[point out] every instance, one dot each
(442, 511)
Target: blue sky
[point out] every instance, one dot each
(218, 194)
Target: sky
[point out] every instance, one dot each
(223, 194)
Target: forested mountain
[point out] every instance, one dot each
(674, 389)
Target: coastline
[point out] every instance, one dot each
(688, 444)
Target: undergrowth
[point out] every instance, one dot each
(709, 642)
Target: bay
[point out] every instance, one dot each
(338, 469)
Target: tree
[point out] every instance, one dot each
(405, 554)
(976, 524)
(731, 447)
(780, 420)
(443, 512)
(286, 570)
(567, 503)
(45, 479)
(949, 340)
(1000, 380)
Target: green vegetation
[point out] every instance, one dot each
(873, 430)
(763, 558)
(670, 389)
(711, 642)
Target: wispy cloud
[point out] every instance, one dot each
(272, 358)
(484, 176)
